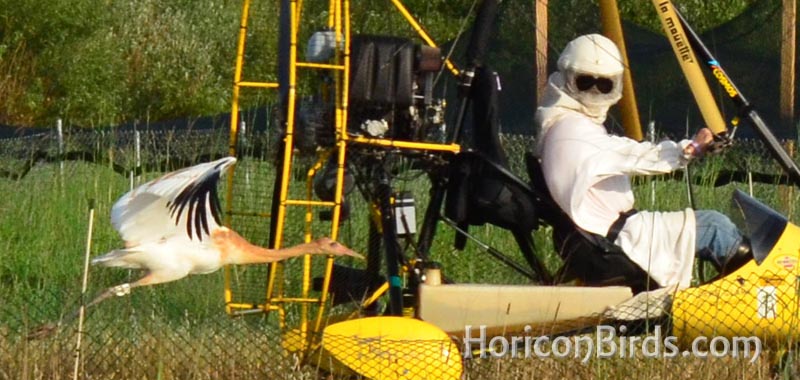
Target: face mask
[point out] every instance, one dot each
(585, 82)
(593, 91)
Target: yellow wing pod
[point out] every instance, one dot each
(393, 348)
(754, 301)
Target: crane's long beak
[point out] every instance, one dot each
(349, 252)
(333, 247)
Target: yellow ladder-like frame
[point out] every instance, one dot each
(339, 23)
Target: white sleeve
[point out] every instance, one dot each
(628, 156)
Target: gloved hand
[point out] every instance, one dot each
(702, 139)
(720, 142)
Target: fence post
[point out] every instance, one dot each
(787, 191)
(138, 139)
(242, 139)
(242, 142)
(84, 287)
(60, 131)
(651, 130)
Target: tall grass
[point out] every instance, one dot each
(179, 330)
(44, 229)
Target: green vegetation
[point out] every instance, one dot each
(98, 63)
(179, 330)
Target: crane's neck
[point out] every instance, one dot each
(235, 249)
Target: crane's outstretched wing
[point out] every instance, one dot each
(181, 202)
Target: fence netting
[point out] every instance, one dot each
(180, 330)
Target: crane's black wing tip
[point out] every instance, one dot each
(196, 196)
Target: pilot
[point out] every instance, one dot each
(588, 171)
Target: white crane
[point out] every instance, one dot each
(171, 229)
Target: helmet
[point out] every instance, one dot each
(592, 68)
(591, 54)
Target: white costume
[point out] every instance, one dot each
(587, 170)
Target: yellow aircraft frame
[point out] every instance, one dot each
(276, 298)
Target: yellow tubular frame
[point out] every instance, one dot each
(421, 32)
(691, 68)
(233, 139)
(612, 28)
(275, 297)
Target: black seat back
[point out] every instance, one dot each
(481, 188)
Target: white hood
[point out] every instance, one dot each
(593, 55)
(556, 103)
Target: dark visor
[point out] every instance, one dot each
(586, 82)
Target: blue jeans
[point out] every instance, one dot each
(717, 237)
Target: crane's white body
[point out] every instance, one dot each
(185, 257)
(167, 224)
(171, 229)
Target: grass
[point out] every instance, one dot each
(179, 330)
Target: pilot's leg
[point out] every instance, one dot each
(720, 242)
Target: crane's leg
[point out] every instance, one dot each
(125, 289)
(118, 290)
(47, 329)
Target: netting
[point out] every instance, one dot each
(728, 328)
(180, 330)
(748, 47)
(139, 342)
(386, 358)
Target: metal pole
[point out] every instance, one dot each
(689, 65)
(390, 246)
(84, 286)
(651, 130)
(138, 137)
(541, 48)
(745, 109)
(788, 59)
(612, 28)
(60, 130)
